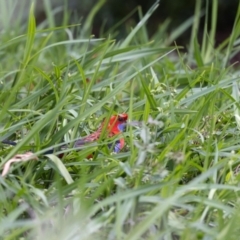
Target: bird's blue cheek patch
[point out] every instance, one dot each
(122, 127)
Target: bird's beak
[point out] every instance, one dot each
(135, 123)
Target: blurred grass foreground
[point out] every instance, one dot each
(177, 176)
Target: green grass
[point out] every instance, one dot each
(177, 177)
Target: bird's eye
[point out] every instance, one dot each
(122, 117)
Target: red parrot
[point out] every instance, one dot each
(116, 125)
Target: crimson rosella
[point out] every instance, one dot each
(116, 125)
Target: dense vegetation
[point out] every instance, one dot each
(177, 177)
